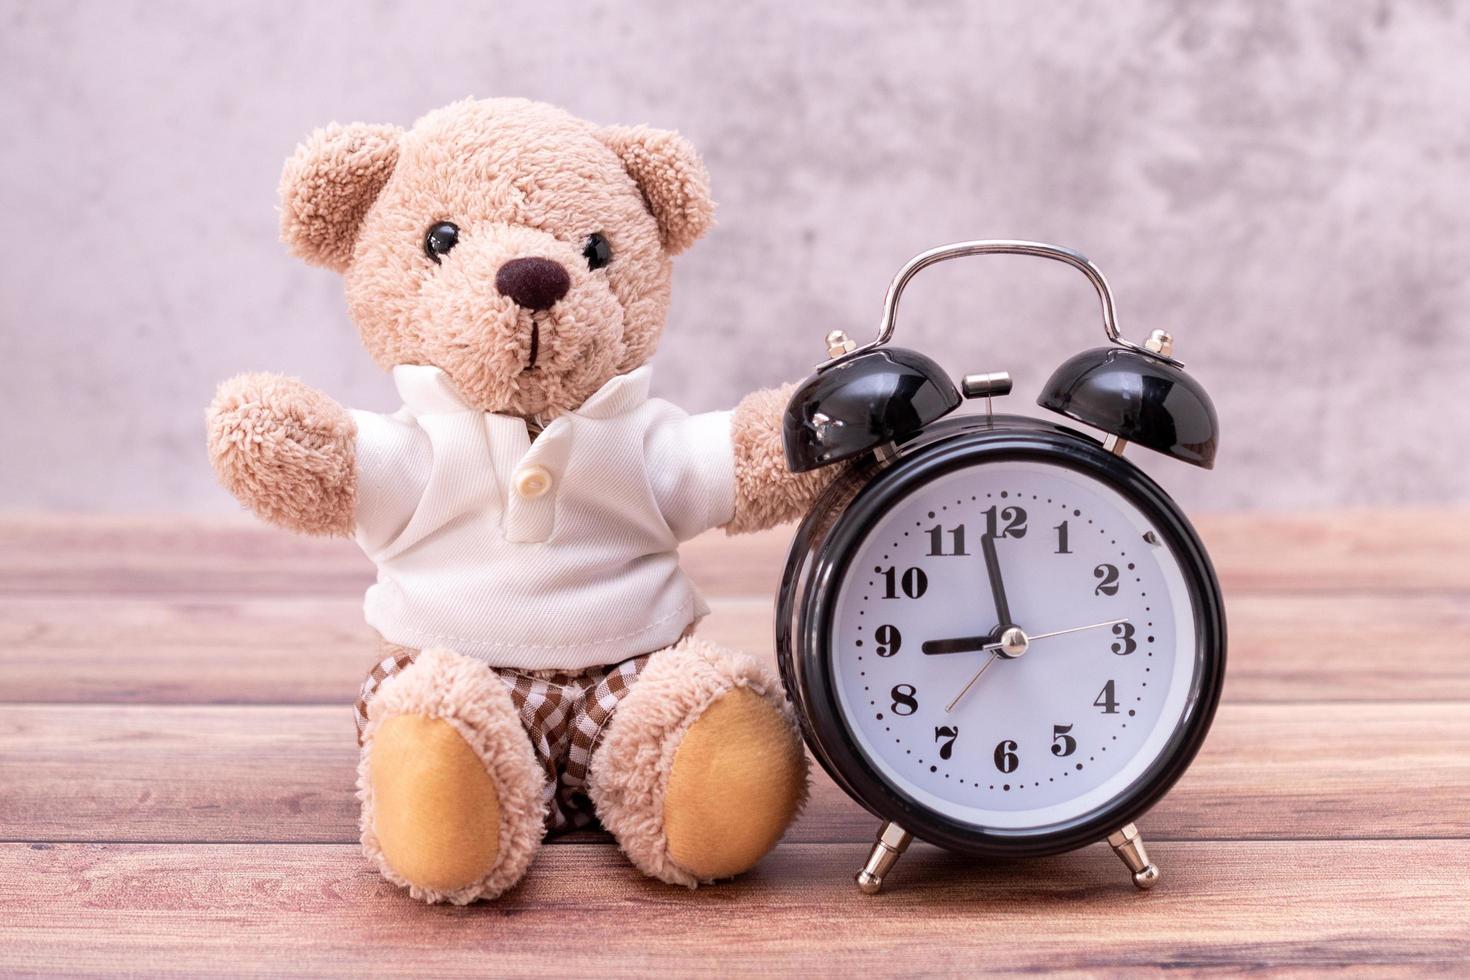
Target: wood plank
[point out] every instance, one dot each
(228, 651)
(219, 774)
(196, 556)
(1377, 551)
(1286, 772)
(101, 555)
(316, 651)
(318, 910)
(1373, 551)
(1310, 647)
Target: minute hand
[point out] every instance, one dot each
(997, 586)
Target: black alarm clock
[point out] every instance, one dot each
(1001, 636)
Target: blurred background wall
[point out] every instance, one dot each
(1282, 185)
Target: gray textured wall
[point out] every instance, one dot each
(1280, 184)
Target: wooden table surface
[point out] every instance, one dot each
(177, 756)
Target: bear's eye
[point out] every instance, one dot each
(439, 239)
(597, 251)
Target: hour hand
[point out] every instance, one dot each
(1004, 638)
(959, 644)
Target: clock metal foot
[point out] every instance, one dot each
(1128, 845)
(892, 841)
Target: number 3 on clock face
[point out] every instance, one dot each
(1044, 735)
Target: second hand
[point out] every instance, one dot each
(994, 656)
(995, 651)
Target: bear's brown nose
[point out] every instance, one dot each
(535, 284)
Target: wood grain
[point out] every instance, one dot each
(189, 773)
(177, 760)
(1373, 551)
(316, 909)
(210, 650)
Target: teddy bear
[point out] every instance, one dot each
(510, 266)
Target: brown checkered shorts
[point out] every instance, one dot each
(563, 714)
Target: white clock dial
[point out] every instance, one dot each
(1057, 731)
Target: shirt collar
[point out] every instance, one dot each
(427, 390)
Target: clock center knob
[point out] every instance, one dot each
(1013, 642)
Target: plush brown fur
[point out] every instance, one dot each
(766, 492)
(287, 451)
(520, 180)
(674, 182)
(328, 186)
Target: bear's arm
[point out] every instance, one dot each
(766, 492)
(286, 451)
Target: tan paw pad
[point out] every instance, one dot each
(735, 784)
(436, 812)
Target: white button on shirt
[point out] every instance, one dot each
(532, 481)
(557, 553)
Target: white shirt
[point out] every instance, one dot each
(584, 572)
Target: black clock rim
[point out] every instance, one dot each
(820, 558)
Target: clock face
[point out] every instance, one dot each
(1100, 664)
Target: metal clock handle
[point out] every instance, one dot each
(1057, 253)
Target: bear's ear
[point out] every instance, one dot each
(673, 180)
(328, 185)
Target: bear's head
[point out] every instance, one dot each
(524, 252)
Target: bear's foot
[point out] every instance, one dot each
(452, 796)
(701, 769)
